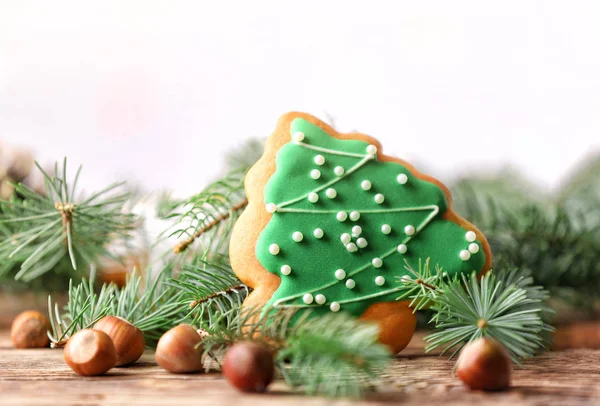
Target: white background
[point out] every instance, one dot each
(155, 92)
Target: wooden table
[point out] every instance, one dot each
(40, 377)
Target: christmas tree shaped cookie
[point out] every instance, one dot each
(331, 223)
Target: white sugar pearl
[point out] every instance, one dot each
(465, 255)
(307, 298)
(298, 136)
(318, 233)
(338, 170)
(319, 159)
(409, 230)
(331, 193)
(313, 197)
(371, 150)
(341, 216)
(406, 279)
(315, 174)
(377, 262)
(365, 185)
(340, 274)
(320, 299)
(379, 198)
(354, 215)
(271, 207)
(473, 248)
(274, 249)
(286, 270)
(334, 307)
(386, 229)
(361, 242)
(402, 248)
(351, 247)
(356, 230)
(345, 238)
(297, 236)
(380, 280)
(471, 236)
(402, 179)
(350, 284)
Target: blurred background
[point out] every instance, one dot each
(157, 92)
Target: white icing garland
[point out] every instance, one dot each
(354, 215)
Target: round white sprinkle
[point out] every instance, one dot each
(319, 159)
(380, 280)
(315, 174)
(334, 307)
(365, 185)
(331, 193)
(354, 215)
(340, 274)
(318, 233)
(379, 198)
(345, 238)
(356, 230)
(338, 170)
(471, 236)
(465, 255)
(377, 262)
(297, 236)
(402, 179)
(313, 197)
(406, 279)
(402, 248)
(307, 298)
(371, 150)
(351, 247)
(386, 229)
(274, 249)
(271, 207)
(320, 299)
(298, 136)
(409, 230)
(350, 284)
(361, 242)
(341, 216)
(286, 270)
(473, 248)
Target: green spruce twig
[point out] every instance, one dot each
(37, 232)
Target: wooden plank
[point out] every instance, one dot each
(40, 377)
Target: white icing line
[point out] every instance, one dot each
(330, 151)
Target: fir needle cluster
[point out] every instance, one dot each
(37, 232)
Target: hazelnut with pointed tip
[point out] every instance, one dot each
(249, 366)
(90, 353)
(128, 339)
(484, 365)
(30, 330)
(179, 350)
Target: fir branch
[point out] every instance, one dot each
(39, 231)
(509, 309)
(148, 303)
(556, 243)
(182, 246)
(211, 213)
(210, 289)
(333, 355)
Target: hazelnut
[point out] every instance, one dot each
(90, 353)
(30, 330)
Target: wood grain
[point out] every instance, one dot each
(40, 377)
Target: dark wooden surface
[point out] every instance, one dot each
(40, 377)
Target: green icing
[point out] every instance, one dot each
(314, 261)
